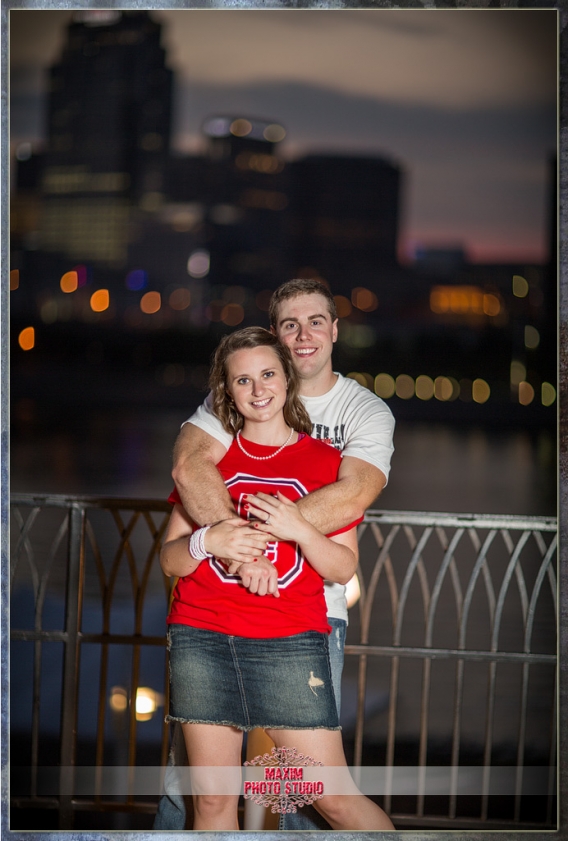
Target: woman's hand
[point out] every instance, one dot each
(285, 521)
(235, 539)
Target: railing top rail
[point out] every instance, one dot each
(85, 501)
(479, 521)
(413, 518)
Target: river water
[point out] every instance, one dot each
(435, 467)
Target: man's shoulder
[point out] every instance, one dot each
(352, 389)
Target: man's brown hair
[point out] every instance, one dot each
(296, 287)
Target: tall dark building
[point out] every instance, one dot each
(344, 217)
(109, 117)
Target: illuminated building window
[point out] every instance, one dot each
(463, 300)
(264, 199)
(258, 162)
(26, 338)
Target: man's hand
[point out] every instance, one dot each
(235, 539)
(260, 577)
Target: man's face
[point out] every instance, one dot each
(304, 324)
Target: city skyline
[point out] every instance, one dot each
(505, 129)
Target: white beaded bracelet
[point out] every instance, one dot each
(196, 545)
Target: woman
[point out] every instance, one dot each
(250, 649)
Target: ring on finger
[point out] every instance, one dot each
(267, 521)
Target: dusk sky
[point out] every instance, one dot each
(463, 100)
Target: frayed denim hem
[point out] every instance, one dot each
(244, 727)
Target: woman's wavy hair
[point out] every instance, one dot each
(224, 407)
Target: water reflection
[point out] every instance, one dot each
(435, 467)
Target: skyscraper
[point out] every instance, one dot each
(109, 115)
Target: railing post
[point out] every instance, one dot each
(73, 607)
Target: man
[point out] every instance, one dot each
(303, 315)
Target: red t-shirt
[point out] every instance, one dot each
(210, 598)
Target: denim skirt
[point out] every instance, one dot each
(282, 683)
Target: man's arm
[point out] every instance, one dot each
(205, 497)
(335, 506)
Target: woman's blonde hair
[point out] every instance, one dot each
(224, 407)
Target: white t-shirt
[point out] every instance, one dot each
(354, 420)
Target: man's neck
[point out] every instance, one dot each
(319, 385)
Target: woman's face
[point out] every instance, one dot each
(257, 383)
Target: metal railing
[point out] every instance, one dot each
(450, 655)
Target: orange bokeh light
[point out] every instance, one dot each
(151, 302)
(69, 282)
(100, 300)
(26, 338)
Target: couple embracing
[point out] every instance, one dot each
(254, 642)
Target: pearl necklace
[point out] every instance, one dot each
(264, 458)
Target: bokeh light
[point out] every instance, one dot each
(100, 300)
(547, 394)
(342, 305)
(136, 280)
(118, 700)
(262, 299)
(443, 388)
(240, 128)
(198, 263)
(520, 286)
(69, 282)
(424, 387)
(518, 372)
(151, 302)
(364, 299)
(480, 391)
(532, 337)
(526, 393)
(384, 385)
(14, 279)
(274, 133)
(404, 387)
(491, 305)
(180, 299)
(26, 338)
(232, 314)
